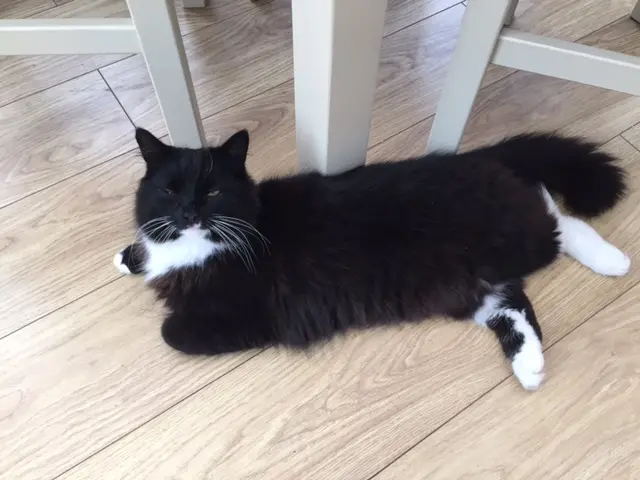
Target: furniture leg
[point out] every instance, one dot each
(161, 43)
(336, 46)
(481, 26)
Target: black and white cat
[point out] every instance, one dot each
(295, 260)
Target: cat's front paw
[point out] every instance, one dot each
(118, 261)
(130, 261)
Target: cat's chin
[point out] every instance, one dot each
(195, 231)
(194, 228)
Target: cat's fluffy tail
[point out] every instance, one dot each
(589, 180)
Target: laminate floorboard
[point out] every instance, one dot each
(89, 390)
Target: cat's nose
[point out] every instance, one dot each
(190, 217)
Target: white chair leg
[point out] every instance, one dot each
(481, 26)
(336, 50)
(157, 26)
(194, 3)
(635, 14)
(511, 13)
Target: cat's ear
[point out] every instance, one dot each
(153, 150)
(237, 147)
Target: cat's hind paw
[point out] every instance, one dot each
(528, 365)
(611, 262)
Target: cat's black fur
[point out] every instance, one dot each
(381, 244)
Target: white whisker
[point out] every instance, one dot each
(154, 224)
(242, 244)
(234, 246)
(241, 248)
(245, 226)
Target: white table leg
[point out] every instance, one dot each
(194, 3)
(157, 26)
(635, 14)
(481, 26)
(336, 47)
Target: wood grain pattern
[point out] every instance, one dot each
(525, 101)
(414, 60)
(190, 19)
(412, 68)
(70, 128)
(68, 389)
(23, 76)
(355, 405)
(633, 135)
(56, 248)
(569, 19)
(402, 13)
(89, 9)
(236, 59)
(270, 120)
(411, 142)
(608, 116)
(583, 424)
(24, 8)
(83, 112)
(340, 413)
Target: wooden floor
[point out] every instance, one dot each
(89, 391)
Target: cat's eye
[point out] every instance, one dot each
(168, 191)
(213, 193)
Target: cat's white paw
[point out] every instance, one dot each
(610, 261)
(583, 243)
(528, 365)
(122, 268)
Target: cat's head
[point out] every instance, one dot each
(194, 189)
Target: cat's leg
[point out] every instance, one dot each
(129, 261)
(583, 243)
(508, 312)
(207, 338)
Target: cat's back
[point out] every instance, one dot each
(435, 210)
(436, 190)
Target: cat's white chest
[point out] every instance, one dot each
(191, 249)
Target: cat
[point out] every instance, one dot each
(292, 261)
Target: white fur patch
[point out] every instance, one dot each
(191, 249)
(528, 363)
(490, 306)
(122, 268)
(580, 241)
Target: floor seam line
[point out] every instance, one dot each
(44, 315)
(124, 110)
(159, 414)
(439, 427)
